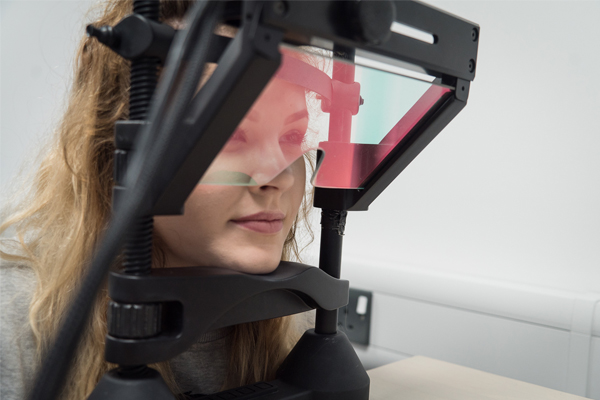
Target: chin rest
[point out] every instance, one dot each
(148, 312)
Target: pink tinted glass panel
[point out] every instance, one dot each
(347, 164)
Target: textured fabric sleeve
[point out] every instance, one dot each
(203, 367)
(17, 344)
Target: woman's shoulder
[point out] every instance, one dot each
(17, 344)
(17, 283)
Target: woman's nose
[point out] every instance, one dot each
(282, 182)
(272, 167)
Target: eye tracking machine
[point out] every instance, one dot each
(364, 84)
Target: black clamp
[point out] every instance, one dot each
(135, 36)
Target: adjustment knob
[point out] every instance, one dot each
(371, 21)
(134, 321)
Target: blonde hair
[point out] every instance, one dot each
(58, 224)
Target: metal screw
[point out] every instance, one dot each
(471, 65)
(280, 8)
(474, 34)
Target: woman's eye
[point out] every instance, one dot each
(236, 141)
(294, 136)
(238, 136)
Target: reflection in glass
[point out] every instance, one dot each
(355, 114)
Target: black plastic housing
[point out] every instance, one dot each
(201, 299)
(336, 374)
(147, 385)
(252, 57)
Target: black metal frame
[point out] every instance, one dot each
(253, 60)
(167, 303)
(455, 39)
(398, 159)
(250, 60)
(234, 298)
(247, 64)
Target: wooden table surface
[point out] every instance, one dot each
(422, 378)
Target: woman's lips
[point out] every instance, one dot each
(263, 222)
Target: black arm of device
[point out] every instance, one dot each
(325, 23)
(252, 58)
(201, 299)
(244, 69)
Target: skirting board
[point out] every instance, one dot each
(543, 336)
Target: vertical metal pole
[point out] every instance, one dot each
(138, 245)
(144, 77)
(333, 222)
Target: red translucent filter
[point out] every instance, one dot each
(354, 114)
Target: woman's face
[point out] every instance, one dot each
(244, 227)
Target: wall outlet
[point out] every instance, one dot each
(355, 318)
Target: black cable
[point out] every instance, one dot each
(166, 111)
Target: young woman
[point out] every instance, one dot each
(56, 227)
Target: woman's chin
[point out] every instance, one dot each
(254, 261)
(246, 258)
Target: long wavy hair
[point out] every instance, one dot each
(56, 226)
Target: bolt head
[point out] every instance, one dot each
(471, 65)
(280, 8)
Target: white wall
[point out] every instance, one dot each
(37, 44)
(543, 336)
(508, 194)
(510, 189)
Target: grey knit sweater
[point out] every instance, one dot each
(201, 369)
